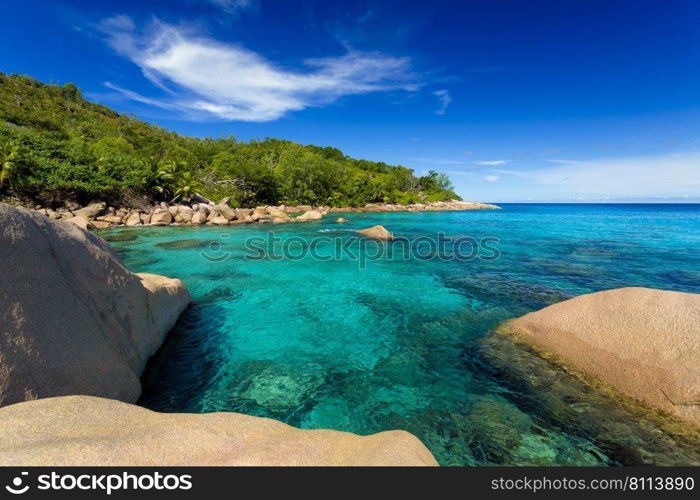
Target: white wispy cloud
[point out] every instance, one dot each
(444, 99)
(233, 6)
(135, 96)
(673, 174)
(563, 162)
(490, 163)
(437, 161)
(491, 178)
(208, 78)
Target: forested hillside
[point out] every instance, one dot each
(56, 146)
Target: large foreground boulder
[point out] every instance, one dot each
(643, 342)
(73, 320)
(88, 431)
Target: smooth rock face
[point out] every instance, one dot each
(81, 222)
(114, 219)
(80, 430)
(166, 299)
(91, 211)
(133, 219)
(377, 232)
(161, 218)
(276, 212)
(99, 224)
(198, 218)
(219, 220)
(73, 320)
(310, 215)
(643, 342)
(241, 213)
(227, 212)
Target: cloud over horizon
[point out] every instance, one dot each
(673, 174)
(206, 78)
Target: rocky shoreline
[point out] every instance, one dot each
(99, 215)
(72, 351)
(76, 331)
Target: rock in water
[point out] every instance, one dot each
(81, 430)
(310, 215)
(377, 232)
(73, 320)
(341, 220)
(219, 220)
(643, 342)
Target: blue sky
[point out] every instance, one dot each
(562, 100)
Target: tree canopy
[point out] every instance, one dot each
(56, 146)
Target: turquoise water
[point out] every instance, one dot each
(405, 344)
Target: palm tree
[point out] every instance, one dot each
(185, 185)
(377, 190)
(176, 178)
(9, 158)
(164, 174)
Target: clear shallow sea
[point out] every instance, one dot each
(405, 344)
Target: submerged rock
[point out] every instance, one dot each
(120, 235)
(220, 293)
(278, 387)
(643, 342)
(73, 320)
(80, 430)
(377, 232)
(600, 427)
(190, 244)
(497, 427)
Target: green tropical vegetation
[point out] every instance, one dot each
(55, 146)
